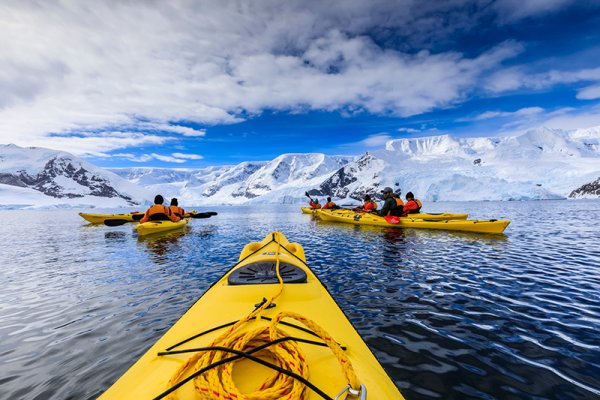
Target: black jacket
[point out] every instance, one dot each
(389, 206)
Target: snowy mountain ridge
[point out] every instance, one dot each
(53, 178)
(540, 164)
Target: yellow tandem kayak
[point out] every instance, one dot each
(297, 345)
(100, 218)
(429, 216)
(151, 227)
(479, 226)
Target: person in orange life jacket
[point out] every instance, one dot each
(158, 212)
(412, 206)
(330, 204)
(399, 202)
(389, 206)
(368, 206)
(314, 204)
(178, 211)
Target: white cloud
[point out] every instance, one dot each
(408, 130)
(376, 140)
(562, 118)
(68, 67)
(161, 157)
(510, 10)
(499, 114)
(187, 156)
(517, 78)
(182, 130)
(589, 93)
(97, 145)
(177, 158)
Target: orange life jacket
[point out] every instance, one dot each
(314, 205)
(370, 205)
(413, 206)
(157, 212)
(330, 204)
(399, 202)
(177, 211)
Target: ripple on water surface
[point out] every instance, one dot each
(449, 315)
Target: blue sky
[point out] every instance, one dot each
(200, 83)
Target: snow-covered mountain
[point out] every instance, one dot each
(540, 164)
(283, 179)
(34, 176)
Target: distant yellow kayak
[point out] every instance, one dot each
(151, 227)
(100, 218)
(298, 332)
(351, 217)
(428, 216)
(308, 210)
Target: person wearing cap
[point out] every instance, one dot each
(368, 206)
(389, 205)
(412, 206)
(158, 212)
(330, 204)
(314, 204)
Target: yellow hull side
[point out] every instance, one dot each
(478, 226)
(150, 227)
(100, 218)
(435, 217)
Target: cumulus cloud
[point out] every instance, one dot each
(187, 156)
(68, 67)
(499, 114)
(510, 10)
(518, 78)
(589, 93)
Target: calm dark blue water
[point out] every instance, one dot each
(448, 315)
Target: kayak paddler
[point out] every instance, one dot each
(330, 204)
(158, 212)
(314, 204)
(178, 211)
(368, 206)
(412, 206)
(390, 207)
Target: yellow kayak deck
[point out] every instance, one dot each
(351, 217)
(237, 294)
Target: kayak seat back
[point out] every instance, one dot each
(159, 217)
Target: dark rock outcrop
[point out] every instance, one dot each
(45, 181)
(589, 189)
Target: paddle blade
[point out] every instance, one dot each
(391, 219)
(115, 222)
(202, 215)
